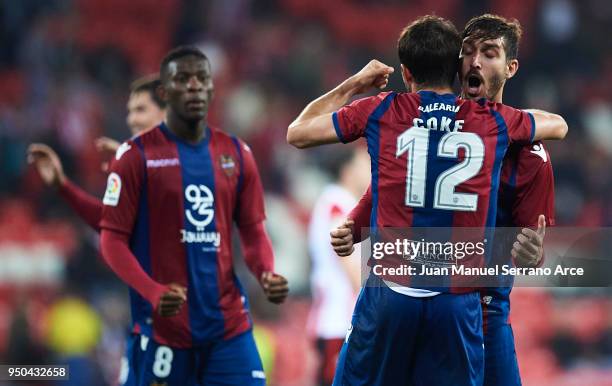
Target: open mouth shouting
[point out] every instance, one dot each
(474, 86)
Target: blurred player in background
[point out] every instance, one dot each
(413, 334)
(489, 59)
(335, 282)
(145, 110)
(173, 195)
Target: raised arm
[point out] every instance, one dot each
(50, 169)
(314, 125)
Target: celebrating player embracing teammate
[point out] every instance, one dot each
(526, 194)
(174, 193)
(404, 334)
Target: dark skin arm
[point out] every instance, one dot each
(275, 287)
(171, 301)
(342, 238)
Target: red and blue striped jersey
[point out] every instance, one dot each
(178, 202)
(436, 159)
(527, 187)
(527, 190)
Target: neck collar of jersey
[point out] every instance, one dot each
(203, 142)
(427, 92)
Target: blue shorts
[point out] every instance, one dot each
(229, 362)
(501, 366)
(129, 372)
(399, 340)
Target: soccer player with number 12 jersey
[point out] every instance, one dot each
(489, 58)
(435, 163)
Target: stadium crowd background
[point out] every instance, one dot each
(65, 67)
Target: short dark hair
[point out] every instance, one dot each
(148, 84)
(177, 53)
(488, 26)
(429, 47)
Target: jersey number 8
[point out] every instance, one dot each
(163, 362)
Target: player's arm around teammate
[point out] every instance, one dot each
(351, 231)
(314, 126)
(527, 250)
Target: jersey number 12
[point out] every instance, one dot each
(415, 141)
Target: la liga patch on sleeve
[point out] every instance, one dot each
(113, 190)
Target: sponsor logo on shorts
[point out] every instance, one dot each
(124, 372)
(259, 374)
(144, 342)
(348, 333)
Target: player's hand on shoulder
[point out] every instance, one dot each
(528, 249)
(47, 163)
(342, 238)
(374, 75)
(171, 301)
(275, 287)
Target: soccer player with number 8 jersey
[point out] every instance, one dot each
(172, 198)
(436, 161)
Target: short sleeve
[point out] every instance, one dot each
(350, 121)
(520, 124)
(123, 188)
(250, 208)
